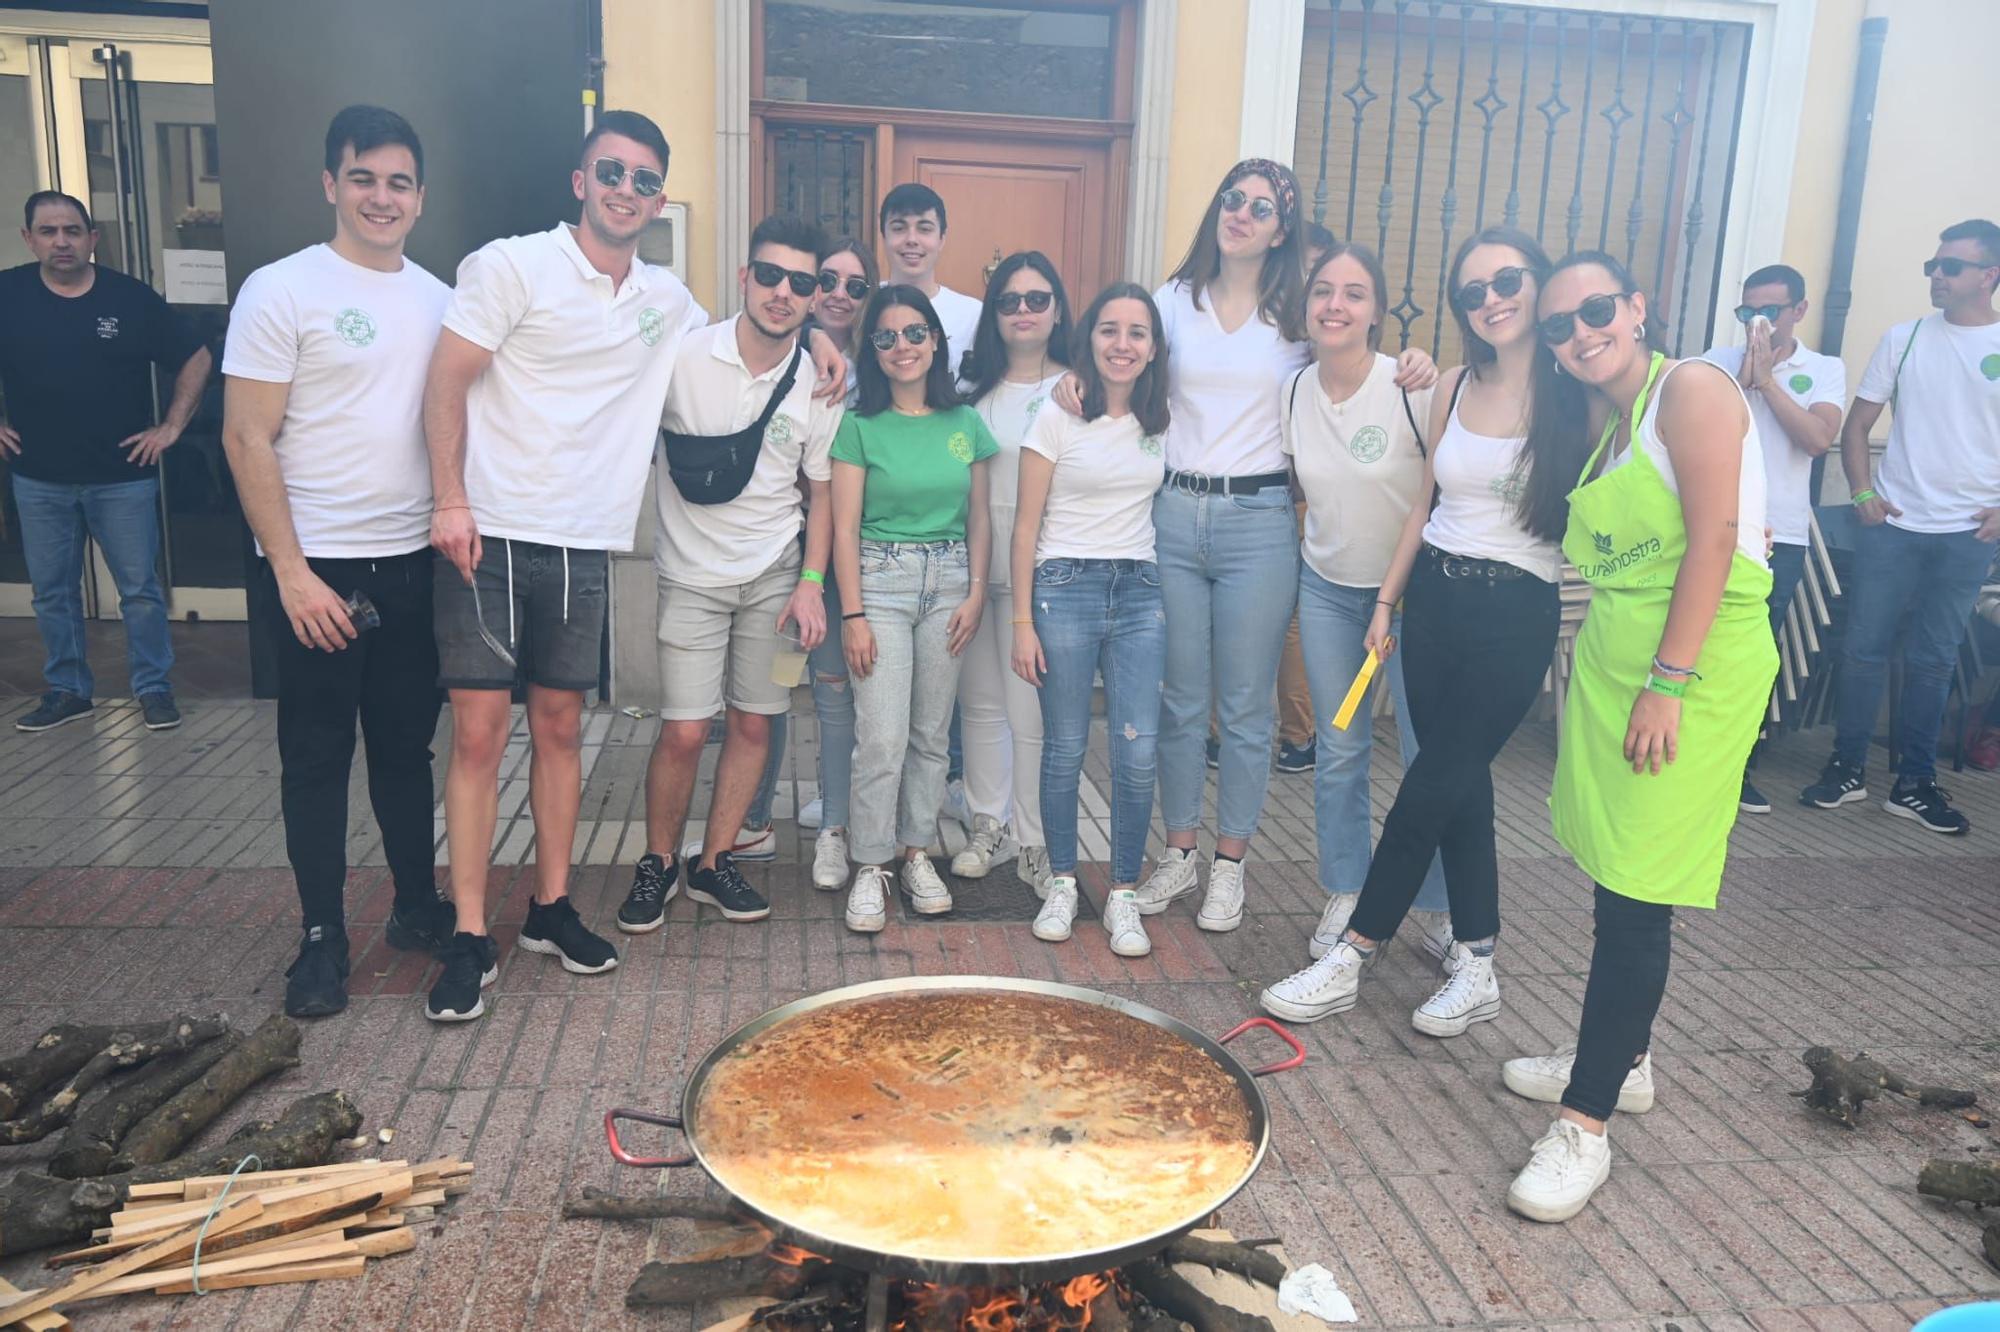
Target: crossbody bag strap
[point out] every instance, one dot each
(1410, 415)
(783, 391)
(1895, 383)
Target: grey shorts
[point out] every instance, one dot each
(545, 604)
(717, 644)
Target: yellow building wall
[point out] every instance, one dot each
(1814, 203)
(1207, 116)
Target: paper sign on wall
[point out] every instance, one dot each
(195, 277)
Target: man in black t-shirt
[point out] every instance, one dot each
(77, 345)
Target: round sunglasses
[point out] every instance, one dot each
(1010, 302)
(1507, 282)
(857, 288)
(882, 339)
(1233, 199)
(1596, 312)
(610, 172)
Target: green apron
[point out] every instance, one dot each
(1654, 838)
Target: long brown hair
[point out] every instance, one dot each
(1281, 284)
(1379, 279)
(1149, 391)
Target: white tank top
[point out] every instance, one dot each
(1750, 483)
(1479, 484)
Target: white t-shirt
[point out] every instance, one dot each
(1224, 388)
(1479, 479)
(1943, 461)
(561, 427)
(1808, 378)
(1009, 409)
(1101, 496)
(1749, 481)
(714, 393)
(1360, 469)
(354, 343)
(959, 314)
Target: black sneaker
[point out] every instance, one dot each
(654, 884)
(1839, 782)
(58, 706)
(1214, 752)
(1753, 801)
(725, 889)
(159, 711)
(316, 982)
(1928, 803)
(469, 967)
(557, 930)
(1298, 758)
(424, 929)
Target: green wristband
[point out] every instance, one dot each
(1863, 496)
(1671, 688)
(812, 576)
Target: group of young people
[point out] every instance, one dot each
(942, 501)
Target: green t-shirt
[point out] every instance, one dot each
(919, 470)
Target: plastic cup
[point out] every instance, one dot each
(788, 663)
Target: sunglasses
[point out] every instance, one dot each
(610, 172)
(770, 275)
(914, 334)
(1596, 311)
(1233, 199)
(857, 288)
(1010, 302)
(1951, 268)
(1507, 282)
(1746, 313)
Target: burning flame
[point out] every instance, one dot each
(791, 1255)
(1051, 1307)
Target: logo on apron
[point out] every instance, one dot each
(1601, 540)
(1369, 443)
(354, 327)
(652, 324)
(960, 445)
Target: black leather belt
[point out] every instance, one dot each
(1465, 566)
(1200, 483)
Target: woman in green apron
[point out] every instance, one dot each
(1673, 668)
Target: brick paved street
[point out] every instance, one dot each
(143, 874)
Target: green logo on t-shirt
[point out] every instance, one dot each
(960, 445)
(1149, 445)
(354, 327)
(1508, 487)
(1990, 367)
(651, 325)
(779, 432)
(1369, 443)
(1799, 383)
(1035, 405)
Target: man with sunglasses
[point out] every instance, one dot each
(732, 573)
(913, 223)
(1929, 524)
(1795, 396)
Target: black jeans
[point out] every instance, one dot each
(1475, 652)
(388, 677)
(1628, 975)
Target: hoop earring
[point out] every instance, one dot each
(1639, 333)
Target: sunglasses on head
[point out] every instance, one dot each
(646, 182)
(1010, 302)
(1746, 313)
(1507, 282)
(770, 275)
(1596, 311)
(857, 288)
(914, 334)
(1951, 268)
(1233, 199)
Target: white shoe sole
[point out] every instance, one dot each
(1905, 812)
(838, 877)
(1286, 1010)
(673, 890)
(870, 924)
(1444, 1028)
(728, 913)
(1749, 807)
(1132, 950)
(73, 717)
(1049, 935)
(548, 949)
(1212, 925)
(1150, 907)
(972, 869)
(691, 852)
(935, 906)
(1634, 1102)
(1845, 798)
(478, 1004)
(1555, 1213)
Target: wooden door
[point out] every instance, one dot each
(1005, 193)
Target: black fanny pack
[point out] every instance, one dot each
(713, 469)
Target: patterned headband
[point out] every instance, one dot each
(1280, 181)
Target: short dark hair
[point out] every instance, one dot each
(791, 231)
(1978, 230)
(1795, 282)
(1149, 392)
(40, 197)
(1319, 236)
(640, 129)
(912, 200)
(369, 128)
(940, 389)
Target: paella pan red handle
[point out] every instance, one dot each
(623, 1157)
(1298, 1050)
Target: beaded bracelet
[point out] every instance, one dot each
(1679, 672)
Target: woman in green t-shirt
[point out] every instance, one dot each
(911, 541)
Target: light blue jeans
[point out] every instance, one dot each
(1332, 622)
(902, 708)
(1229, 575)
(1091, 616)
(123, 518)
(833, 705)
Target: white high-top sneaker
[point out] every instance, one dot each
(1032, 868)
(1123, 922)
(928, 895)
(830, 859)
(1434, 934)
(1470, 994)
(1543, 1078)
(1052, 922)
(1330, 985)
(1222, 905)
(868, 900)
(989, 844)
(1568, 1164)
(1177, 874)
(1332, 923)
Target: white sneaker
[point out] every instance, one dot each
(1332, 923)
(1434, 934)
(1052, 922)
(1177, 874)
(955, 806)
(1032, 868)
(830, 858)
(928, 895)
(1328, 986)
(751, 844)
(1222, 906)
(1543, 1078)
(813, 814)
(1454, 957)
(1568, 1165)
(1124, 923)
(990, 842)
(1471, 994)
(868, 900)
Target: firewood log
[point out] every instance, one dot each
(272, 1048)
(57, 1054)
(1841, 1087)
(88, 1145)
(122, 1051)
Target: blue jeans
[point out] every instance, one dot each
(1935, 577)
(1229, 576)
(833, 705)
(123, 518)
(759, 813)
(1332, 622)
(1094, 615)
(1788, 566)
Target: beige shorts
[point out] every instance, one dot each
(716, 644)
